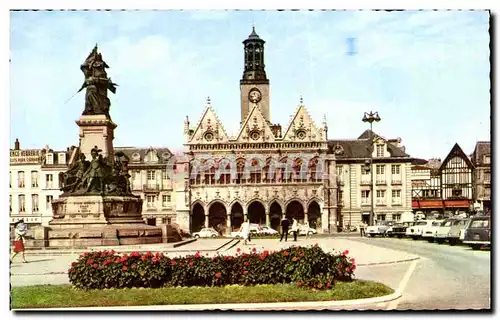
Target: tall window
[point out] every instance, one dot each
(340, 171)
(165, 199)
(380, 169)
(150, 201)
(396, 217)
(34, 179)
(365, 196)
(22, 203)
(61, 158)
(487, 176)
(380, 196)
(396, 169)
(151, 175)
(380, 217)
(164, 174)
(20, 179)
(48, 180)
(380, 150)
(49, 158)
(34, 202)
(396, 196)
(487, 159)
(48, 202)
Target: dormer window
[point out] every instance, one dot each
(151, 157)
(487, 159)
(49, 158)
(380, 150)
(61, 158)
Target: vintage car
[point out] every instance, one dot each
(478, 232)
(399, 229)
(429, 231)
(456, 230)
(254, 229)
(304, 230)
(441, 234)
(415, 232)
(267, 231)
(206, 233)
(380, 229)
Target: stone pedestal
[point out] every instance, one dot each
(83, 221)
(96, 130)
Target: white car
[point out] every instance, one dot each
(380, 229)
(254, 228)
(206, 233)
(442, 232)
(268, 231)
(303, 230)
(415, 232)
(429, 231)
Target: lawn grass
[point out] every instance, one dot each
(64, 296)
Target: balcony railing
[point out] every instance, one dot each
(396, 181)
(151, 187)
(381, 202)
(381, 182)
(396, 202)
(365, 182)
(365, 202)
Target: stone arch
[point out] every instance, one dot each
(217, 216)
(295, 209)
(292, 200)
(197, 216)
(314, 199)
(211, 203)
(198, 201)
(256, 212)
(275, 213)
(314, 214)
(237, 215)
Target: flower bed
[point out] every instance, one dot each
(306, 266)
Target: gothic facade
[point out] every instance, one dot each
(264, 172)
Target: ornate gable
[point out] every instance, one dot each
(209, 129)
(255, 128)
(302, 128)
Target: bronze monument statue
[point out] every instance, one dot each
(97, 84)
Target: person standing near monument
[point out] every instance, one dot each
(295, 229)
(20, 232)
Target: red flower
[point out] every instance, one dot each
(353, 260)
(118, 260)
(144, 258)
(286, 253)
(243, 254)
(191, 262)
(266, 252)
(328, 284)
(297, 249)
(124, 268)
(254, 250)
(316, 245)
(348, 269)
(90, 261)
(173, 262)
(245, 271)
(133, 266)
(217, 275)
(301, 255)
(95, 265)
(155, 260)
(71, 270)
(85, 254)
(112, 252)
(294, 259)
(346, 252)
(197, 254)
(73, 264)
(246, 263)
(238, 250)
(149, 254)
(299, 284)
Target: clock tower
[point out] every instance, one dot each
(254, 86)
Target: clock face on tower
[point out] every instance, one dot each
(254, 95)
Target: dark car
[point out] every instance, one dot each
(478, 232)
(399, 229)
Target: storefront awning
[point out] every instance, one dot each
(427, 204)
(457, 203)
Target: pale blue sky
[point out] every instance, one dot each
(426, 73)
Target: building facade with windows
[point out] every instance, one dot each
(264, 172)
(25, 186)
(481, 159)
(152, 178)
(391, 179)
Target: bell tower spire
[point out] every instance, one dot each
(254, 85)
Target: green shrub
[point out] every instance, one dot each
(307, 266)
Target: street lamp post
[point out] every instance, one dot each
(370, 118)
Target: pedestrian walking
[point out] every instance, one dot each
(245, 231)
(285, 224)
(20, 230)
(306, 227)
(295, 229)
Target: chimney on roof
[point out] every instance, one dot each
(17, 145)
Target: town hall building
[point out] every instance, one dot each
(263, 173)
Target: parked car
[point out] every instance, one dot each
(429, 231)
(380, 229)
(442, 232)
(456, 230)
(478, 232)
(399, 229)
(206, 233)
(268, 231)
(303, 230)
(416, 231)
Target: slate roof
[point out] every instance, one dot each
(481, 149)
